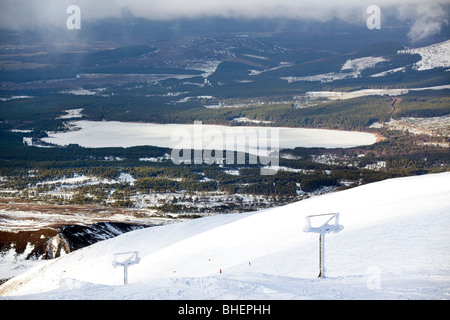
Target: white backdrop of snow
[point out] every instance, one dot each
(395, 245)
(433, 56)
(352, 68)
(359, 64)
(345, 95)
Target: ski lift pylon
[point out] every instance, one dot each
(323, 226)
(325, 219)
(126, 259)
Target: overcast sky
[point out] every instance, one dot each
(427, 16)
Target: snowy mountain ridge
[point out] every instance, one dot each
(395, 245)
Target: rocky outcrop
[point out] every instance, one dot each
(52, 242)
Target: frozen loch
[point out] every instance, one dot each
(98, 134)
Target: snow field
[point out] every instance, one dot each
(394, 245)
(433, 56)
(336, 95)
(97, 134)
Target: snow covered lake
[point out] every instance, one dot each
(98, 134)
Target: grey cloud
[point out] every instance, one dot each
(427, 19)
(427, 16)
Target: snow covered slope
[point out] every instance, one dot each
(395, 245)
(433, 56)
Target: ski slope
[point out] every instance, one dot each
(395, 245)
